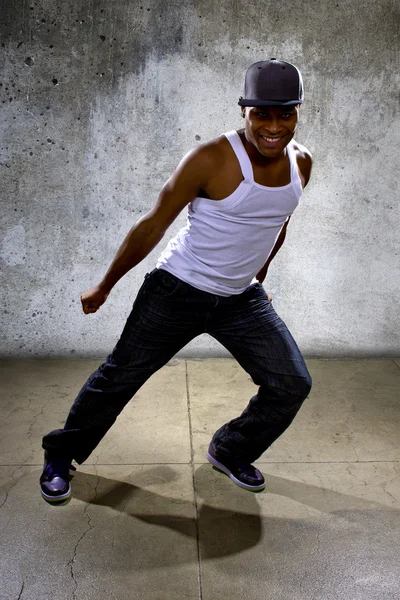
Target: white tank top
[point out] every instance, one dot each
(226, 242)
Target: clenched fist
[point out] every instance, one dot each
(93, 299)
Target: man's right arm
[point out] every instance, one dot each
(182, 187)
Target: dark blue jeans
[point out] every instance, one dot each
(166, 315)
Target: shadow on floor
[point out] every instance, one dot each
(242, 528)
(347, 522)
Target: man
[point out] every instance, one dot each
(241, 189)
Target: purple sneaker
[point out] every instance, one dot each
(54, 481)
(241, 472)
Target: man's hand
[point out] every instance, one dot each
(93, 299)
(260, 280)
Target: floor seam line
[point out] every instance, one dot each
(192, 463)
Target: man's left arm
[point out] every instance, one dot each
(304, 163)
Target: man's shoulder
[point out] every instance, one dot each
(213, 150)
(202, 163)
(301, 151)
(207, 159)
(304, 161)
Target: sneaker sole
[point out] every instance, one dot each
(56, 499)
(245, 486)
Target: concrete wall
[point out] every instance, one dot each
(99, 102)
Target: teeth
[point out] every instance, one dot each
(270, 139)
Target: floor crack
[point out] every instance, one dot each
(35, 417)
(21, 591)
(97, 483)
(383, 487)
(72, 561)
(194, 485)
(10, 488)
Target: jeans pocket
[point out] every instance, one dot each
(163, 283)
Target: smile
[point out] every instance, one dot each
(271, 142)
(270, 139)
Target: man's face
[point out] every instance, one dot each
(270, 128)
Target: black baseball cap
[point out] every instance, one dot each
(272, 83)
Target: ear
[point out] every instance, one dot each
(242, 108)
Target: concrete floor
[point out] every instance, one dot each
(151, 519)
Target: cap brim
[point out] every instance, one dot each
(246, 102)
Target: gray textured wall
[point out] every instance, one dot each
(99, 102)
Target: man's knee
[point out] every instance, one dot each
(300, 389)
(306, 384)
(296, 386)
